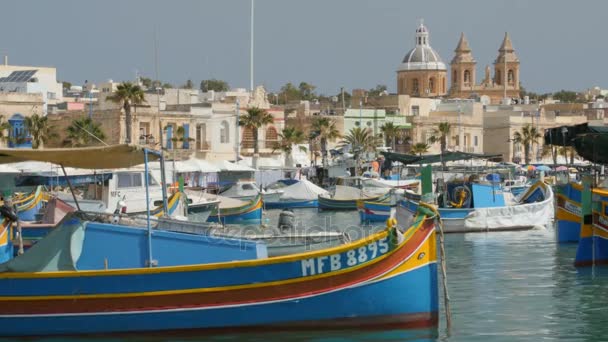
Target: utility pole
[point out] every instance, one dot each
(343, 103)
(236, 135)
(251, 49)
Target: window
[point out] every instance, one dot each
(443, 88)
(151, 180)
(415, 85)
(475, 141)
(454, 77)
(510, 77)
(271, 133)
(247, 141)
(247, 186)
(432, 84)
(415, 110)
(224, 132)
(467, 77)
(129, 180)
(51, 96)
(497, 81)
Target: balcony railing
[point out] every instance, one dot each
(262, 144)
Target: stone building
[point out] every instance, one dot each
(422, 72)
(464, 81)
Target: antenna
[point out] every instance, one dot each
(251, 48)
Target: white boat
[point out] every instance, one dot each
(247, 190)
(124, 189)
(481, 208)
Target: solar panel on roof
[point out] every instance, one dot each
(19, 76)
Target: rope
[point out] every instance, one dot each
(446, 296)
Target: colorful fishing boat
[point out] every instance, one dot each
(374, 211)
(28, 205)
(592, 247)
(248, 212)
(568, 213)
(388, 279)
(345, 198)
(177, 205)
(471, 207)
(54, 211)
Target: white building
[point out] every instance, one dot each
(32, 80)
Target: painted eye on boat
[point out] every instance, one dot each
(421, 255)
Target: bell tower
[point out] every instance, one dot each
(506, 67)
(463, 67)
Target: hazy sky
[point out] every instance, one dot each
(329, 43)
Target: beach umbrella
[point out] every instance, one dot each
(530, 167)
(543, 168)
(561, 168)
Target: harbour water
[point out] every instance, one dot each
(504, 286)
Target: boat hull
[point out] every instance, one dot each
(373, 211)
(250, 212)
(334, 204)
(387, 279)
(281, 204)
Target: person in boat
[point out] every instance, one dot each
(9, 211)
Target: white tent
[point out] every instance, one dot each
(225, 165)
(302, 190)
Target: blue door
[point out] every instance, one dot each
(18, 136)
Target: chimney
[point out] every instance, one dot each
(5, 60)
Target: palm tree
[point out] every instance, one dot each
(528, 136)
(441, 134)
(420, 148)
(4, 125)
(84, 132)
(128, 94)
(361, 140)
(390, 132)
(289, 137)
(326, 131)
(39, 129)
(254, 119)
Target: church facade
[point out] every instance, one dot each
(422, 72)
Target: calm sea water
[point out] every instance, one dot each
(507, 286)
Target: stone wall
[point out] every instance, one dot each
(108, 119)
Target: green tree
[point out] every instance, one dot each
(289, 93)
(128, 94)
(66, 85)
(325, 130)
(146, 82)
(4, 127)
(84, 132)
(378, 90)
(420, 148)
(361, 140)
(390, 133)
(566, 96)
(307, 91)
(441, 134)
(289, 137)
(254, 119)
(166, 85)
(180, 135)
(527, 137)
(40, 130)
(215, 85)
(188, 85)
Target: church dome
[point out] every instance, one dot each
(422, 57)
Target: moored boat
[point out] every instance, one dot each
(302, 194)
(243, 212)
(345, 198)
(28, 205)
(374, 211)
(479, 207)
(388, 279)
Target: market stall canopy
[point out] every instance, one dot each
(592, 147)
(225, 165)
(449, 156)
(103, 157)
(565, 135)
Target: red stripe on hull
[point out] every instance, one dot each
(219, 297)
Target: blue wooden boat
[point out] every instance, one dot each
(249, 212)
(28, 205)
(388, 279)
(373, 211)
(568, 214)
(480, 207)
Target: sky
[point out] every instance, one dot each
(328, 43)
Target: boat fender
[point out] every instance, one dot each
(287, 219)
